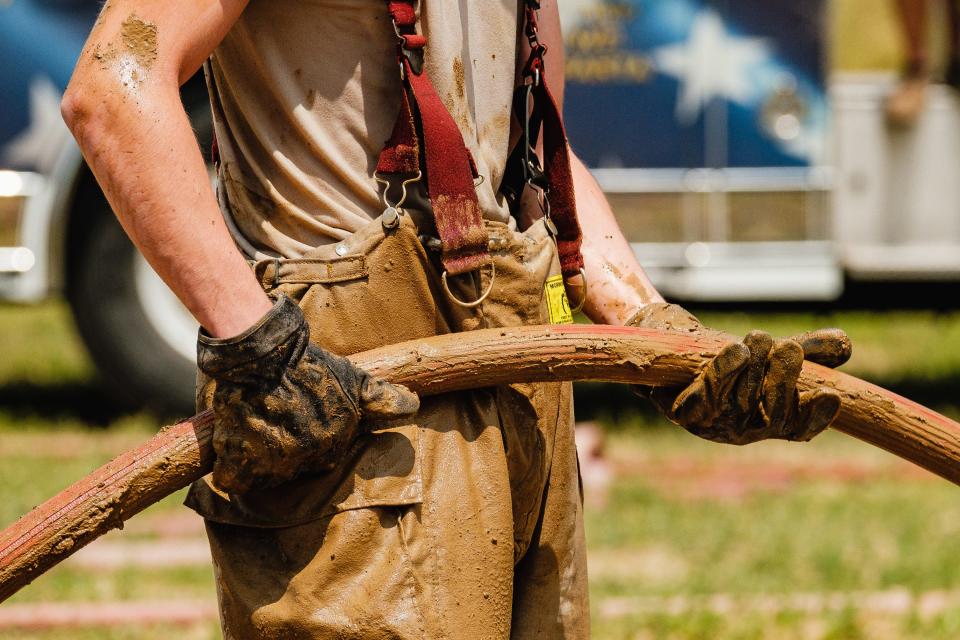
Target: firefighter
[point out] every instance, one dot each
(386, 172)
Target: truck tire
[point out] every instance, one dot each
(142, 340)
(139, 340)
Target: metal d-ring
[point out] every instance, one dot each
(583, 298)
(478, 301)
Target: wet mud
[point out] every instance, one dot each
(140, 39)
(134, 54)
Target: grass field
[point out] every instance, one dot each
(690, 540)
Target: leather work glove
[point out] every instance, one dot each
(748, 392)
(285, 407)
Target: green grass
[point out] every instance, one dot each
(40, 345)
(47, 377)
(888, 348)
(655, 541)
(855, 521)
(133, 584)
(158, 632)
(857, 536)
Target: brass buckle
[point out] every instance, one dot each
(478, 301)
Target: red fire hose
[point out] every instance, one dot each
(182, 453)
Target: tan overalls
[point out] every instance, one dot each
(467, 524)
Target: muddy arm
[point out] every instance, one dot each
(182, 453)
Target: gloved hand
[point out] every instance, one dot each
(285, 407)
(748, 392)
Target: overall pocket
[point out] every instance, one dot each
(373, 289)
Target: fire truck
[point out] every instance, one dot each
(738, 172)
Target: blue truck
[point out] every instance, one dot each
(58, 235)
(736, 170)
(705, 122)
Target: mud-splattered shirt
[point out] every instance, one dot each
(305, 92)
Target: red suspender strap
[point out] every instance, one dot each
(559, 194)
(536, 109)
(560, 178)
(450, 170)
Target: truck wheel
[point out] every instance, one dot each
(139, 335)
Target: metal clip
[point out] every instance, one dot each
(392, 211)
(413, 56)
(430, 243)
(390, 218)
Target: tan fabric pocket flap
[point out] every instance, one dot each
(385, 470)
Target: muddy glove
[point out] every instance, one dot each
(748, 392)
(285, 407)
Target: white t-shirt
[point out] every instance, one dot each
(306, 92)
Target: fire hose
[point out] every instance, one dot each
(182, 453)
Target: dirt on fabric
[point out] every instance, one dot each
(458, 76)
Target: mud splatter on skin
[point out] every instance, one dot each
(631, 279)
(140, 39)
(134, 55)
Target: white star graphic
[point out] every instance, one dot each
(39, 145)
(709, 64)
(573, 13)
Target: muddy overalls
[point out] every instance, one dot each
(468, 523)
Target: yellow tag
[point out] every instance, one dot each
(557, 303)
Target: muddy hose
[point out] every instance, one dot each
(182, 453)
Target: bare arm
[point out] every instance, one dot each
(618, 287)
(617, 284)
(748, 391)
(123, 106)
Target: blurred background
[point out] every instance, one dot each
(778, 163)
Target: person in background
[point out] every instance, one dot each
(906, 102)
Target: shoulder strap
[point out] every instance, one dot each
(537, 111)
(449, 167)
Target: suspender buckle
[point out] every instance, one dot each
(393, 210)
(414, 55)
(415, 58)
